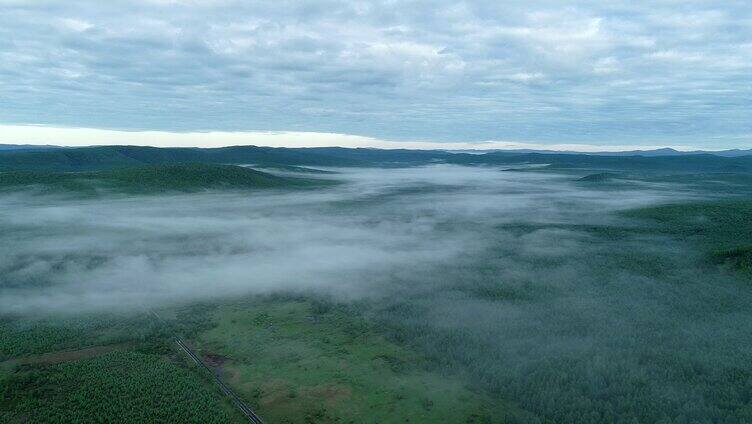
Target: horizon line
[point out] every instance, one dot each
(61, 136)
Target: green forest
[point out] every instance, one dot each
(477, 293)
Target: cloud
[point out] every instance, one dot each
(476, 70)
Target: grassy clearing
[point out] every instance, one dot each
(62, 356)
(300, 361)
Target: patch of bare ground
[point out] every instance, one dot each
(329, 393)
(214, 360)
(63, 356)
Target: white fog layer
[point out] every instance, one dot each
(137, 252)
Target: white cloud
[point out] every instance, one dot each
(674, 55)
(76, 25)
(526, 76)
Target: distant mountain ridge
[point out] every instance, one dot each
(28, 147)
(152, 179)
(665, 151)
(106, 157)
(110, 157)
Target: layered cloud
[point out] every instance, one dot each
(621, 72)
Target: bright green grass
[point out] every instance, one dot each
(298, 362)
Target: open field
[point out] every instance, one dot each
(299, 361)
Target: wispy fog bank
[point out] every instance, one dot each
(528, 282)
(120, 253)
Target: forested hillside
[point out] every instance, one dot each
(107, 157)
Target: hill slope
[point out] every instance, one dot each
(108, 157)
(151, 179)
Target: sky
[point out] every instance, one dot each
(420, 74)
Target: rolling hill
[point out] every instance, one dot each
(151, 179)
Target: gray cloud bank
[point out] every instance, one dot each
(619, 71)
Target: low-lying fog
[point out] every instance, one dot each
(136, 252)
(511, 277)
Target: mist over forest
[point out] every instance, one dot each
(135, 252)
(375, 212)
(574, 298)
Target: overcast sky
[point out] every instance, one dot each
(606, 73)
